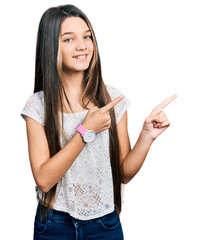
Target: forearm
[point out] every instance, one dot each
(135, 159)
(53, 170)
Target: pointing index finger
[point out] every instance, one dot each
(112, 103)
(162, 105)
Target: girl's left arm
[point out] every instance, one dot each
(155, 124)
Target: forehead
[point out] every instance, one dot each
(73, 24)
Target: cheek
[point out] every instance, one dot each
(66, 54)
(91, 47)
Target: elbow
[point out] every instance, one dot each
(42, 184)
(43, 187)
(126, 180)
(42, 181)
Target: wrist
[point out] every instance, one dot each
(87, 135)
(145, 138)
(87, 126)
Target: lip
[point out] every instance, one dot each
(81, 55)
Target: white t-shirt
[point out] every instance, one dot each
(86, 190)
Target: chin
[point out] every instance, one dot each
(75, 68)
(82, 68)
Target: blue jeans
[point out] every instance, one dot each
(60, 225)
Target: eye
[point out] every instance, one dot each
(88, 37)
(68, 40)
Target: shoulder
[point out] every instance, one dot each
(34, 107)
(122, 106)
(113, 92)
(36, 97)
(36, 100)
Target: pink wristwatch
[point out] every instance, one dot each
(88, 135)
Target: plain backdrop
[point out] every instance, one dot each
(148, 51)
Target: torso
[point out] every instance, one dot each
(76, 107)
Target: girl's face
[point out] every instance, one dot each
(76, 44)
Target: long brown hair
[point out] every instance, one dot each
(48, 79)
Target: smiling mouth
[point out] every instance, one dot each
(82, 57)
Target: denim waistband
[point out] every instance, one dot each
(63, 217)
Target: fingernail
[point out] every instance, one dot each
(121, 95)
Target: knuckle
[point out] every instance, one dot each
(109, 125)
(107, 116)
(147, 119)
(167, 123)
(101, 110)
(162, 113)
(165, 118)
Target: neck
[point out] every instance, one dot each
(73, 83)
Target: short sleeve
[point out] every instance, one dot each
(34, 107)
(121, 107)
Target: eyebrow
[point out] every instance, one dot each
(73, 32)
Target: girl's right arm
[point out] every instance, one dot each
(48, 171)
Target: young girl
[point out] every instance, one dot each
(78, 142)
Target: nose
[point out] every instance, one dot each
(80, 45)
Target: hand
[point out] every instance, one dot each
(156, 123)
(98, 119)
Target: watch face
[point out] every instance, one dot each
(89, 136)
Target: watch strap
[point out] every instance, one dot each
(81, 129)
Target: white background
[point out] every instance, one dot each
(148, 50)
